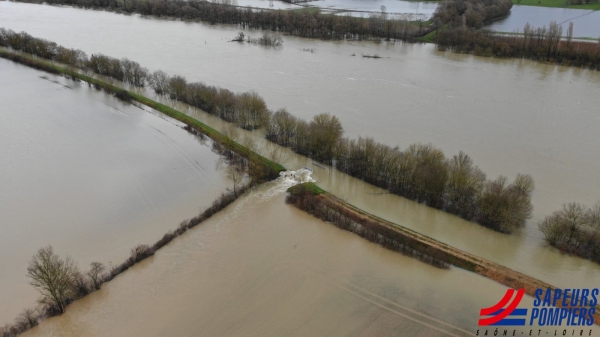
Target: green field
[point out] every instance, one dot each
(557, 4)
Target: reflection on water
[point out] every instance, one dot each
(89, 175)
(586, 23)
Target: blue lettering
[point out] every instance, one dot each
(582, 314)
(547, 297)
(553, 316)
(563, 314)
(565, 301)
(590, 320)
(594, 300)
(574, 315)
(534, 314)
(538, 293)
(575, 297)
(557, 295)
(584, 299)
(543, 316)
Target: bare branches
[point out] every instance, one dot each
(53, 277)
(574, 229)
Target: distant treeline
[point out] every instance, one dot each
(296, 23)
(470, 13)
(543, 44)
(421, 172)
(575, 229)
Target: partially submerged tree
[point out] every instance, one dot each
(95, 274)
(325, 132)
(236, 175)
(53, 277)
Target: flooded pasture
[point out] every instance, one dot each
(586, 23)
(89, 175)
(511, 116)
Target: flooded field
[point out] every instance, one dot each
(417, 10)
(586, 23)
(261, 267)
(507, 119)
(410, 9)
(89, 175)
(510, 115)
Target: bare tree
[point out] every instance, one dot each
(236, 176)
(27, 319)
(325, 132)
(53, 277)
(569, 34)
(95, 274)
(159, 80)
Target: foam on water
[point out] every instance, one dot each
(274, 188)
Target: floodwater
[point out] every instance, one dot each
(89, 175)
(586, 23)
(510, 115)
(419, 9)
(361, 8)
(267, 4)
(264, 268)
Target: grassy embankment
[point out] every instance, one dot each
(272, 167)
(439, 251)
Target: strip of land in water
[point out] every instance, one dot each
(308, 195)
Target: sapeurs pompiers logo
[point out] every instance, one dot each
(499, 314)
(552, 308)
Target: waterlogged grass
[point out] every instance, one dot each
(128, 95)
(557, 4)
(310, 187)
(308, 10)
(428, 38)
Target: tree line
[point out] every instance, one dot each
(470, 13)
(574, 229)
(296, 23)
(544, 44)
(421, 172)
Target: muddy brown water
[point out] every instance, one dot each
(510, 115)
(88, 175)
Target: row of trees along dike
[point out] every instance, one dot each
(421, 172)
(305, 24)
(574, 229)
